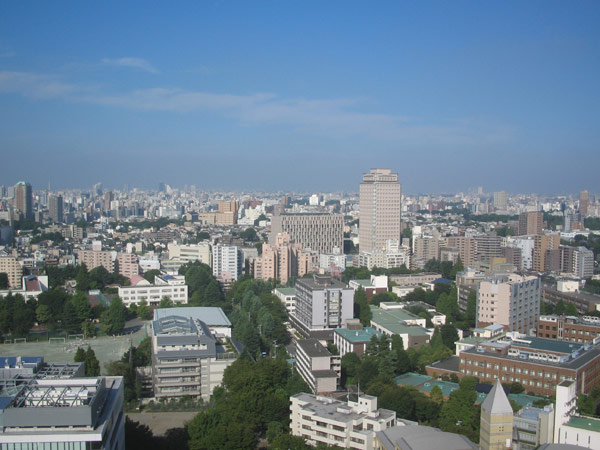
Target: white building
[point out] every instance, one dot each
(287, 297)
(570, 428)
(323, 420)
(526, 244)
(172, 286)
(180, 254)
(334, 262)
(227, 262)
(74, 413)
(394, 255)
(31, 287)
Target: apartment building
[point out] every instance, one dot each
(12, 268)
(127, 264)
(227, 262)
(95, 258)
(322, 303)
(510, 300)
(531, 222)
(171, 286)
(65, 413)
(467, 281)
(287, 297)
(467, 248)
(318, 231)
(394, 255)
(317, 366)
(541, 245)
(380, 209)
(584, 330)
(187, 358)
(351, 424)
(180, 254)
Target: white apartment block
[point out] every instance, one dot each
(287, 297)
(172, 286)
(227, 262)
(352, 424)
(510, 300)
(380, 207)
(392, 256)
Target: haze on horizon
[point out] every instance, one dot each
(301, 96)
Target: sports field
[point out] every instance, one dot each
(106, 348)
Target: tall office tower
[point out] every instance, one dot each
(108, 198)
(24, 199)
(531, 223)
(319, 232)
(380, 206)
(496, 425)
(55, 208)
(500, 201)
(583, 203)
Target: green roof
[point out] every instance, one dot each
(358, 335)
(446, 386)
(412, 379)
(286, 290)
(363, 282)
(524, 399)
(585, 423)
(393, 320)
(551, 345)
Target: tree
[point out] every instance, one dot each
(151, 274)
(92, 365)
(82, 306)
(82, 279)
(23, 316)
(361, 307)
(449, 335)
(459, 414)
(70, 321)
(436, 395)
(559, 308)
(143, 311)
(165, 302)
(42, 313)
(571, 310)
(3, 280)
(113, 319)
(79, 355)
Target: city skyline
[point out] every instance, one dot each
(225, 96)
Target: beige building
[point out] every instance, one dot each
(180, 254)
(11, 267)
(92, 259)
(531, 222)
(426, 247)
(127, 264)
(380, 209)
(467, 248)
(317, 366)
(319, 232)
(510, 300)
(541, 245)
(496, 423)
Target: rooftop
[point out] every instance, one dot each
(551, 345)
(585, 423)
(363, 335)
(286, 290)
(419, 437)
(211, 316)
(313, 348)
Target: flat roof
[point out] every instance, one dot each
(585, 423)
(210, 315)
(313, 348)
(363, 335)
(412, 379)
(286, 290)
(551, 345)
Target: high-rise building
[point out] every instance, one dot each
(227, 262)
(541, 245)
(322, 303)
(509, 300)
(24, 200)
(500, 201)
(584, 202)
(380, 207)
(319, 232)
(55, 208)
(531, 222)
(11, 267)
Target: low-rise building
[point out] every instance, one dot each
(569, 428)
(171, 286)
(354, 338)
(214, 317)
(352, 424)
(287, 297)
(31, 287)
(391, 319)
(377, 284)
(74, 413)
(583, 330)
(317, 366)
(419, 437)
(415, 279)
(583, 301)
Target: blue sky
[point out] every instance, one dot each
(302, 96)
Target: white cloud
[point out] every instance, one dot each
(134, 63)
(336, 117)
